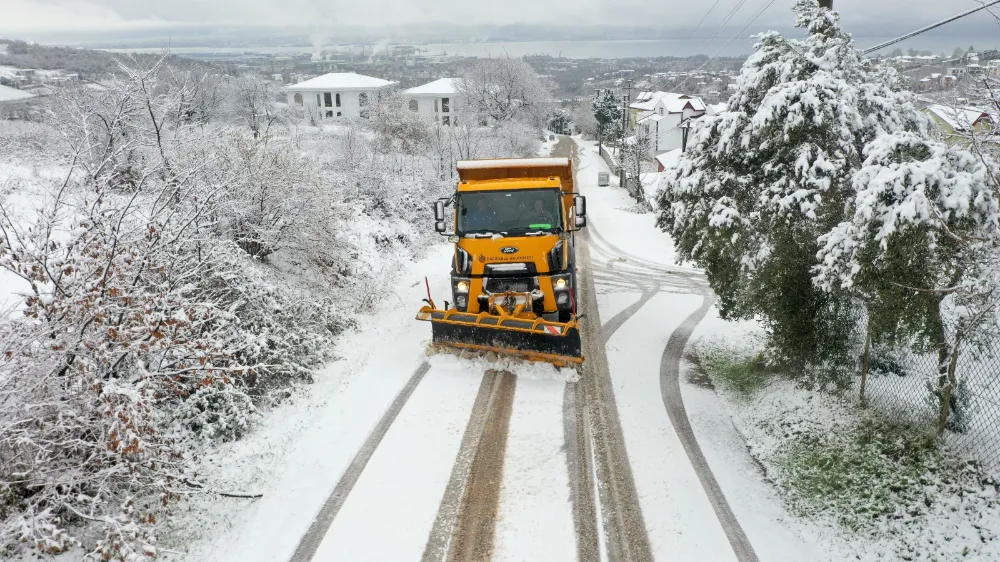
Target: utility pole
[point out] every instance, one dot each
(600, 126)
(626, 99)
(625, 102)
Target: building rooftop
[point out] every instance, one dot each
(669, 159)
(341, 81)
(442, 86)
(960, 118)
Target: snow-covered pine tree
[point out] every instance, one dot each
(761, 182)
(606, 110)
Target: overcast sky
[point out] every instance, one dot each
(23, 18)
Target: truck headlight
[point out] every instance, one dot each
(560, 284)
(462, 287)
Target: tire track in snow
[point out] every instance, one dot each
(472, 539)
(321, 523)
(579, 459)
(581, 472)
(444, 523)
(636, 269)
(611, 326)
(673, 401)
(621, 513)
(604, 445)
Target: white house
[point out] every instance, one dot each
(342, 95)
(665, 124)
(435, 101)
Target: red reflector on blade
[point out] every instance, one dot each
(554, 330)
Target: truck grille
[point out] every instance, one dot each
(514, 284)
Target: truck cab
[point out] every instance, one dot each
(513, 228)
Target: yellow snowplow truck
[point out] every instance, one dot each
(513, 273)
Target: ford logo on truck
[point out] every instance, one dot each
(508, 250)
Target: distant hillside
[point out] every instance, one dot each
(89, 64)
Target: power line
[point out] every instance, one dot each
(929, 27)
(688, 58)
(759, 13)
(725, 20)
(703, 18)
(715, 33)
(756, 15)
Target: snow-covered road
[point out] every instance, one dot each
(393, 455)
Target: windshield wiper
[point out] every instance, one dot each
(485, 234)
(528, 232)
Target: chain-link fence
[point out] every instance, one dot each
(910, 386)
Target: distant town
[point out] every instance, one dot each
(30, 72)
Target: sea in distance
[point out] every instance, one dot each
(578, 49)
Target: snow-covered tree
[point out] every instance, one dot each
(607, 111)
(506, 89)
(397, 129)
(561, 122)
(760, 183)
(582, 115)
(922, 244)
(635, 160)
(253, 102)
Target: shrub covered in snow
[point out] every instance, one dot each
(888, 488)
(145, 320)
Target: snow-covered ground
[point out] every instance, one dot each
(679, 518)
(301, 449)
(298, 454)
(536, 520)
(611, 213)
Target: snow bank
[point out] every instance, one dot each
(480, 363)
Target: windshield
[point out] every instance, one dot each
(509, 213)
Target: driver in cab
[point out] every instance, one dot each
(538, 215)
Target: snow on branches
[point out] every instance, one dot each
(149, 323)
(823, 197)
(506, 89)
(763, 181)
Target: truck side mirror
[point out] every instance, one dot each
(580, 204)
(580, 222)
(439, 210)
(440, 227)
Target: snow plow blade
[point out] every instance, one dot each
(532, 339)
